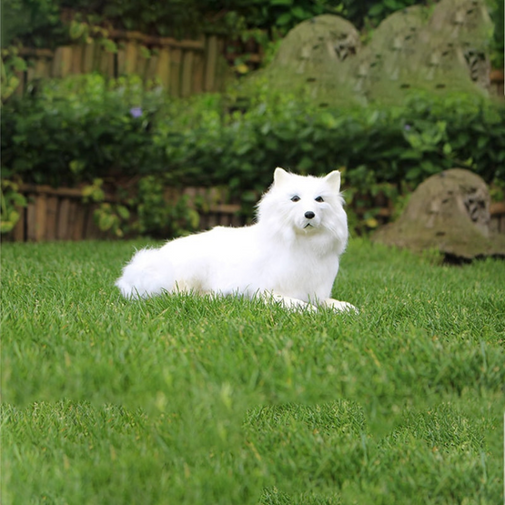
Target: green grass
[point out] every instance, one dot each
(181, 399)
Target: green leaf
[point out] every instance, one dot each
(18, 199)
(482, 142)
(376, 10)
(265, 128)
(305, 164)
(109, 45)
(9, 223)
(392, 5)
(328, 120)
(144, 52)
(194, 218)
(284, 19)
(18, 64)
(6, 226)
(77, 29)
(410, 154)
(249, 196)
(123, 212)
(299, 13)
(105, 221)
(413, 173)
(77, 166)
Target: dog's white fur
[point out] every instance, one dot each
(291, 255)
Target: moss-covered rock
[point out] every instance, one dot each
(313, 58)
(449, 212)
(413, 49)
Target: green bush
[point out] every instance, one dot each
(39, 22)
(376, 144)
(496, 11)
(80, 129)
(36, 22)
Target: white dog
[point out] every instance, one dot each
(291, 255)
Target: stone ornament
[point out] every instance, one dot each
(438, 49)
(448, 212)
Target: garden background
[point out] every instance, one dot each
(185, 399)
(146, 107)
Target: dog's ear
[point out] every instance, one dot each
(333, 179)
(280, 176)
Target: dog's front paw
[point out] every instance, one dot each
(338, 306)
(294, 303)
(289, 303)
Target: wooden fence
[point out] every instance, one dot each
(61, 214)
(183, 67)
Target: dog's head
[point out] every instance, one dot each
(305, 204)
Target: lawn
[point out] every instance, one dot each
(189, 400)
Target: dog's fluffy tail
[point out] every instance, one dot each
(149, 273)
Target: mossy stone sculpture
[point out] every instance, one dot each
(439, 50)
(448, 212)
(312, 59)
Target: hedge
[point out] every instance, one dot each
(39, 23)
(82, 128)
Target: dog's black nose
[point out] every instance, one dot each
(309, 214)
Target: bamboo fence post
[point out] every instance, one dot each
(30, 70)
(52, 215)
(131, 52)
(21, 85)
(198, 68)
(18, 233)
(90, 228)
(152, 64)
(163, 66)
(212, 220)
(105, 62)
(142, 62)
(210, 62)
(40, 217)
(187, 73)
(80, 221)
(31, 224)
(77, 59)
(56, 63)
(62, 62)
(72, 211)
(222, 67)
(62, 229)
(175, 72)
(121, 57)
(43, 66)
(88, 57)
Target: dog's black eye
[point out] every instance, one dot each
(295, 198)
(319, 199)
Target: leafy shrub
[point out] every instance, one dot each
(376, 144)
(496, 10)
(10, 203)
(39, 22)
(81, 129)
